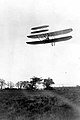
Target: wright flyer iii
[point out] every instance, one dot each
(44, 36)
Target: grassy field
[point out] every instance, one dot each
(57, 104)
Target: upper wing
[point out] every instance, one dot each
(39, 27)
(50, 41)
(50, 33)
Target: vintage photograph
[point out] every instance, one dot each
(39, 60)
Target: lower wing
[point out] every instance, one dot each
(50, 41)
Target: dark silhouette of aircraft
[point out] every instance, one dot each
(47, 37)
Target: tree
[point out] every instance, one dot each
(22, 84)
(10, 84)
(33, 82)
(47, 83)
(2, 83)
(25, 84)
(19, 84)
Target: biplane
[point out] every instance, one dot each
(42, 33)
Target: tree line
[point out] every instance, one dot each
(29, 85)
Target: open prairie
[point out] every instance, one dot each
(61, 103)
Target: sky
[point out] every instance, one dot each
(20, 61)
